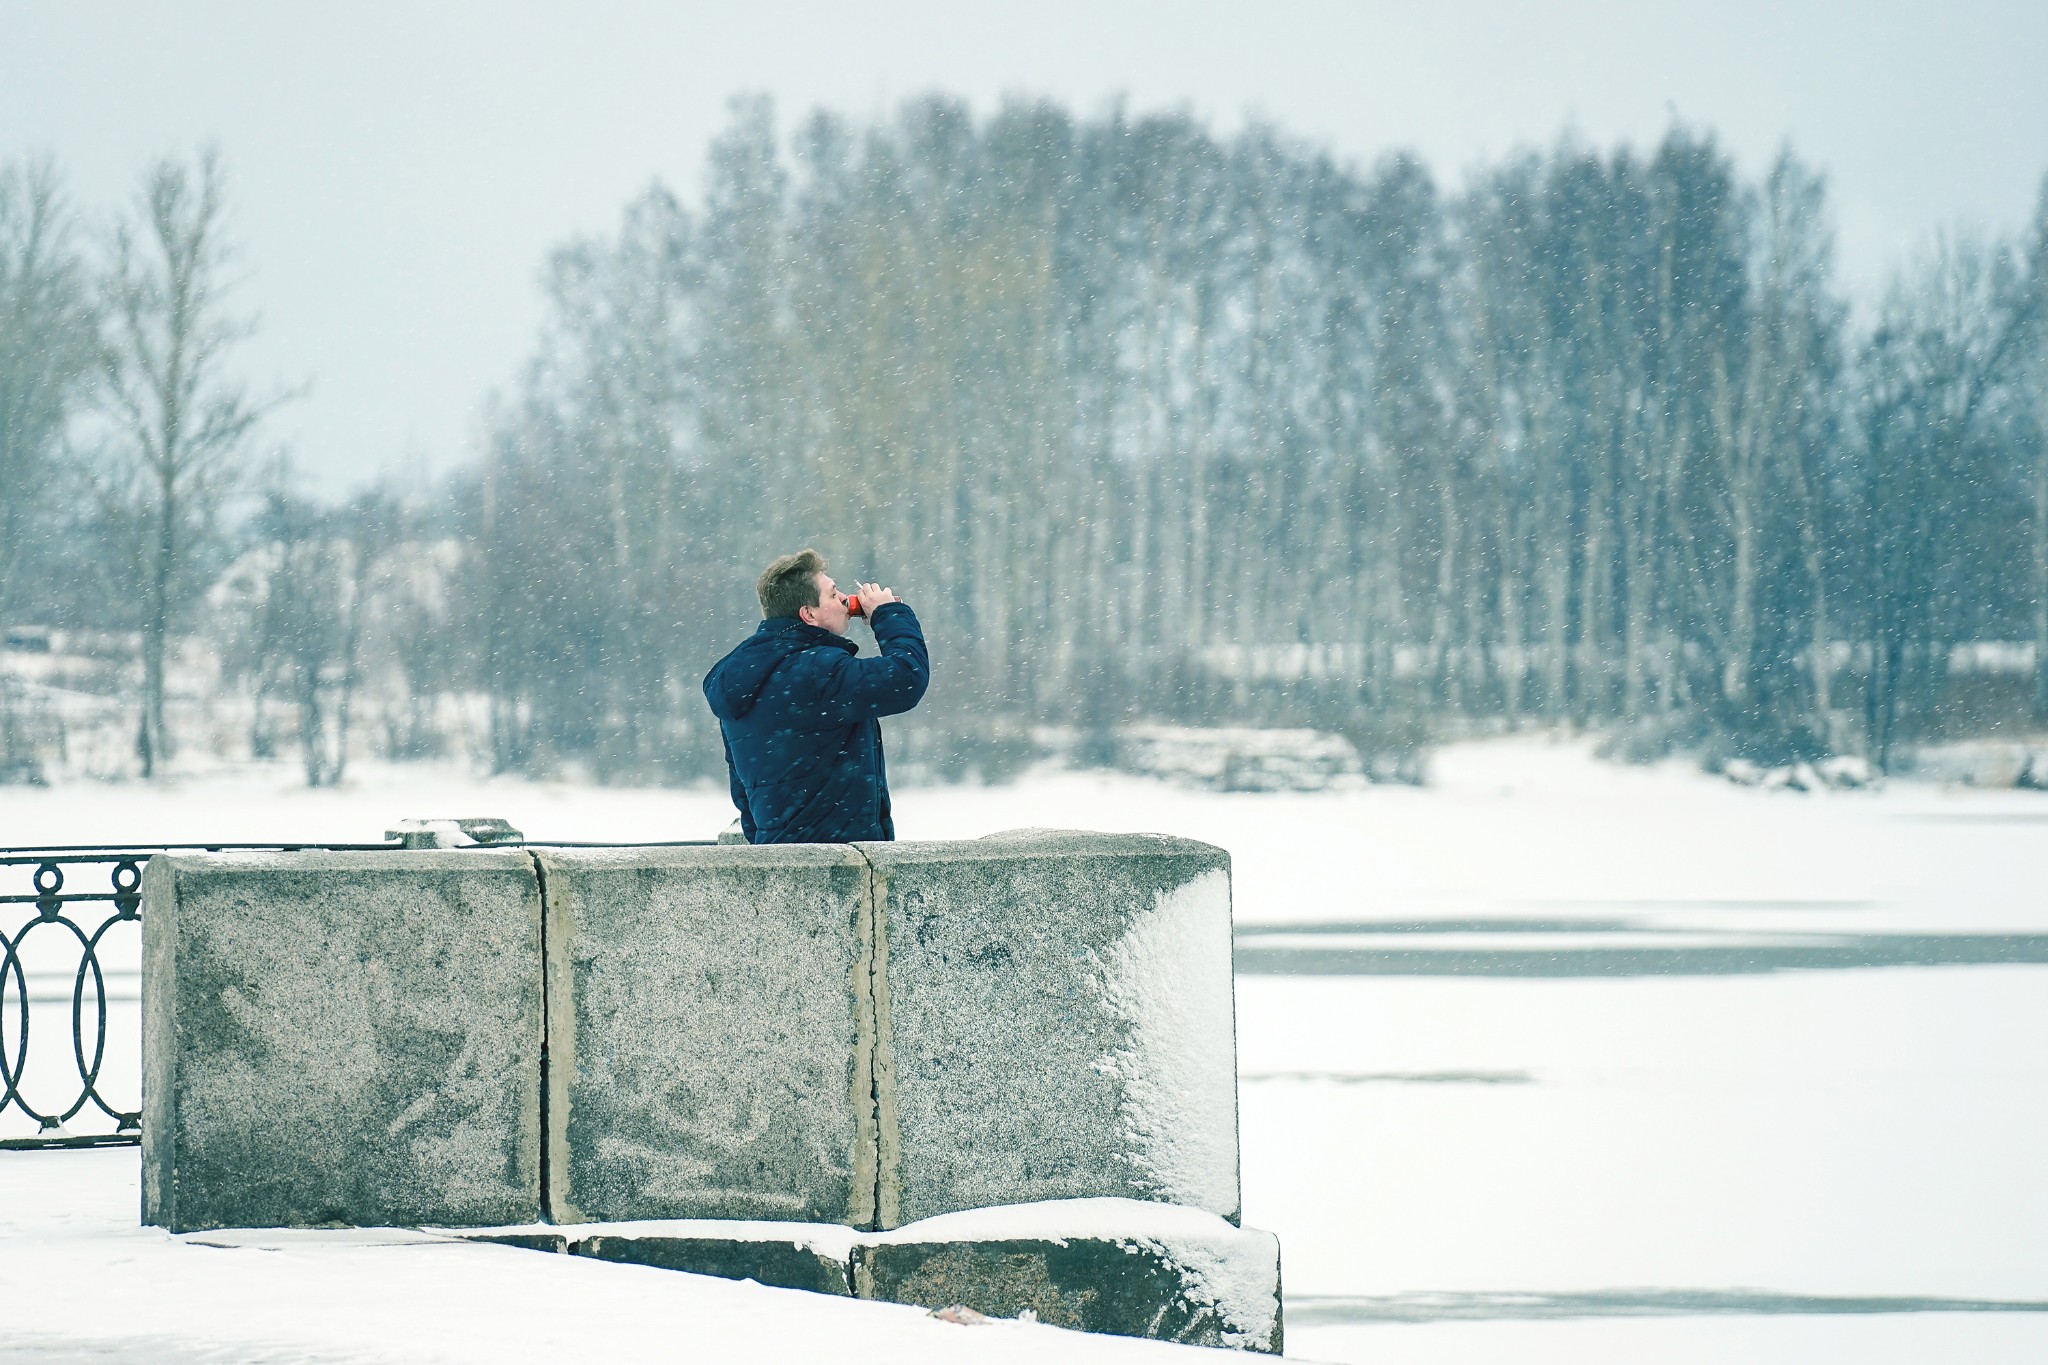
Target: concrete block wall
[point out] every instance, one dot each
(709, 1034)
(1057, 1022)
(869, 1034)
(341, 1038)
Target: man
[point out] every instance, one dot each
(801, 714)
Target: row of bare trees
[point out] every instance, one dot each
(1152, 422)
(122, 423)
(1146, 422)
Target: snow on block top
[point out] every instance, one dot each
(709, 1040)
(1057, 1022)
(341, 1039)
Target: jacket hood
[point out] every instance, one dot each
(735, 683)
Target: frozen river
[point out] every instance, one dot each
(1550, 1061)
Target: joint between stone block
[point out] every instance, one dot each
(878, 1163)
(547, 1080)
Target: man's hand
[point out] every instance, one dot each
(873, 595)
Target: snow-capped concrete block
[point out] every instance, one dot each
(1056, 1022)
(341, 1039)
(1119, 1266)
(709, 1034)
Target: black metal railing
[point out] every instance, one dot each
(70, 941)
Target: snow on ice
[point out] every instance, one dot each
(1459, 1168)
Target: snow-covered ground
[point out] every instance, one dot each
(79, 1283)
(1572, 1156)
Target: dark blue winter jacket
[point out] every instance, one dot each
(801, 715)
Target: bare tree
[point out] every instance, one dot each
(45, 358)
(1578, 444)
(1941, 366)
(181, 422)
(2037, 296)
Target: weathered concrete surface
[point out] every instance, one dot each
(341, 1039)
(1185, 1277)
(810, 1256)
(535, 1239)
(778, 1262)
(1057, 1022)
(709, 1036)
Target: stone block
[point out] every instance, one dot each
(785, 1256)
(526, 1236)
(1056, 1022)
(1096, 1265)
(527, 1239)
(341, 1039)
(709, 1034)
(809, 1256)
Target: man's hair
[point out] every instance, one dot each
(789, 583)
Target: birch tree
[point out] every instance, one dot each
(2037, 303)
(1575, 443)
(46, 359)
(181, 421)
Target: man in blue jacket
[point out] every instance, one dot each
(801, 713)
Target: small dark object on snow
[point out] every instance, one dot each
(960, 1313)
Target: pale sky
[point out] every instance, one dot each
(401, 170)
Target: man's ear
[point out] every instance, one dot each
(804, 614)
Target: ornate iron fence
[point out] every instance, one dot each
(70, 939)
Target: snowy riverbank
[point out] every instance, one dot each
(1764, 1161)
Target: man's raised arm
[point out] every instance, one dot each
(893, 681)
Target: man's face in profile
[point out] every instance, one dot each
(831, 612)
